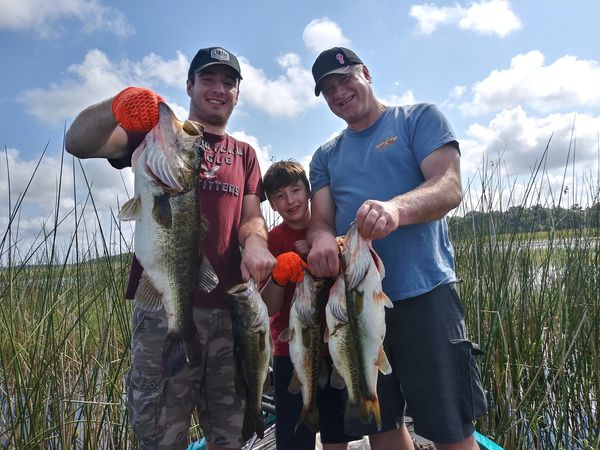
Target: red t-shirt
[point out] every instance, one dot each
(281, 240)
(221, 199)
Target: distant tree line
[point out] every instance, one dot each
(519, 219)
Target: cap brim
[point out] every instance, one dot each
(215, 63)
(339, 70)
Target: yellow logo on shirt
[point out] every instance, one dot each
(390, 140)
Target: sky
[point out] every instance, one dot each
(519, 82)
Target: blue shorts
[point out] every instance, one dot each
(288, 406)
(433, 368)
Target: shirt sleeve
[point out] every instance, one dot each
(430, 130)
(253, 182)
(134, 139)
(319, 176)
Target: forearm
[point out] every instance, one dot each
(430, 201)
(317, 229)
(253, 228)
(272, 295)
(95, 133)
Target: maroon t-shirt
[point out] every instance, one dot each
(281, 240)
(221, 198)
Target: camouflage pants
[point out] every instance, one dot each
(160, 408)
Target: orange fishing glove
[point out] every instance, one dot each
(136, 108)
(289, 267)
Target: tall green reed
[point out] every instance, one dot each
(532, 301)
(64, 334)
(64, 326)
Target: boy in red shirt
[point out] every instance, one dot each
(287, 188)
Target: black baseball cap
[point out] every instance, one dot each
(211, 56)
(334, 60)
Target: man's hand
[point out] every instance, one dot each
(377, 219)
(323, 258)
(136, 108)
(257, 261)
(290, 267)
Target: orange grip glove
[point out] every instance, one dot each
(289, 267)
(136, 108)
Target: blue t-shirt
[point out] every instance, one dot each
(379, 163)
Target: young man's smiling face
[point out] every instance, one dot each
(213, 95)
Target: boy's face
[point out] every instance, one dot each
(291, 202)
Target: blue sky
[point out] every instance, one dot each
(509, 76)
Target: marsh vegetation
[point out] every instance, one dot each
(534, 309)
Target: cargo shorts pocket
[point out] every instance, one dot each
(471, 397)
(145, 402)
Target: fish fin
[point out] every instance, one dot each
(381, 297)
(326, 335)
(179, 352)
(268, 382)
(323, 375)
(378, 263)
(253, 423)
(310, 418)
(207, 278)
(286, 335)
(203, 224)
(383, 363)
(295, 386)
(131, 209)
(239, 384)
(352, 416)
(161, 210)
(146, 295)
(337, 381)
(370, 408)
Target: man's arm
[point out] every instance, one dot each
(257, 261)
(440, 193)
(272, 294)
(323, 260)
(95, 133)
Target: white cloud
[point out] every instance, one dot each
(485, 17)
(519, 141)
(97, 78)
(285, 96)
(43, 203)
(430, 16)
(43, 18)
(408, 98)
(564, 84)
(321, 34)
(263, 153)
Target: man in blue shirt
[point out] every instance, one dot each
(396, 170)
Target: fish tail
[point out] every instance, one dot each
(253, 423)
(179, 352)
(310, 417)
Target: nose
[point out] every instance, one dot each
(218, 87)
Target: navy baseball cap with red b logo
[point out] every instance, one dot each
(334, 60)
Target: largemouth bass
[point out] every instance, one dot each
(169, 232)
(252, 352)
(305, 339)
(355, 317)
